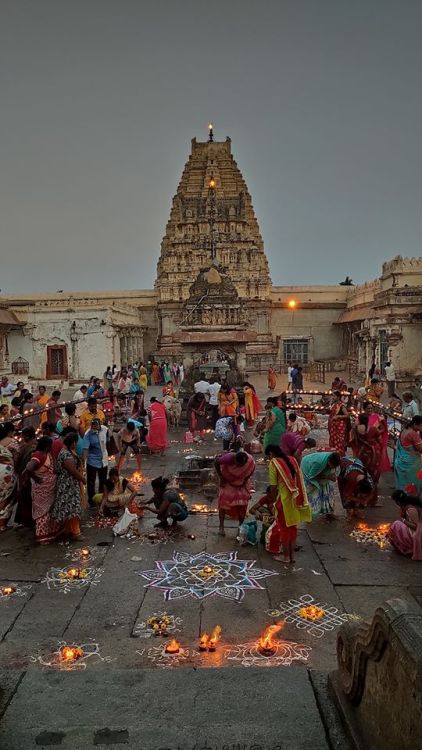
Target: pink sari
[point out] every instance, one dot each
(235, 485)
(157, 433)
(405, 540)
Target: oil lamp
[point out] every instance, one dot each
(207, 571)
(85, 552)
(75, 573)
(311, 613)
(8, 590)
(71, 653)
(266, 644)
(203, 642)
(173, 647)
(214, 638)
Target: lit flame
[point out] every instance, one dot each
(266, 641)
(203, 642)
(173, 647)
(75, 573)
(136, 477)
(71, 653)
(214, 638)
(7, 590)
(207, 571)
(211, 183)
(311, 613)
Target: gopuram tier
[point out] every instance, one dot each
(213, 281)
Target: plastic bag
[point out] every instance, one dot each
(247, 532)
(122, 525)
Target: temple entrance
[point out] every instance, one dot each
(217, 357)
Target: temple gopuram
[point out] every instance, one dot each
(213, 281)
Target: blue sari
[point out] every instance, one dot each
(407, 465)
(319, 487)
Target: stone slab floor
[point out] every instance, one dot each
(126, 691)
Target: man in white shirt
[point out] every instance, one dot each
(213, 390)
(6, 390)
(289, 377)
(390, 377)
(411, 408)
(82, 406)
(202, 386)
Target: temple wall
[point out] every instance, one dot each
(317, 326)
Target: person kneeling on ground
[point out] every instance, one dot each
(117, 494)
(168, 503)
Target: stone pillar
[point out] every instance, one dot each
(123, 351)
(140, 348)
(130, 358)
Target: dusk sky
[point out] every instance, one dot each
(100, 99)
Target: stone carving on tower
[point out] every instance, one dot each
(212, 217)
(213, 281)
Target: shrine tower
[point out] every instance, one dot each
(212, 219)
(213, 281)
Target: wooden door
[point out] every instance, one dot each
(57, 362)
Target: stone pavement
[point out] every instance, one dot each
(126, 690)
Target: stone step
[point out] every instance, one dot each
(209, 709)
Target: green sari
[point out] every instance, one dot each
(273, 436)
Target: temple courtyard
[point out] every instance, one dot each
(124, 689)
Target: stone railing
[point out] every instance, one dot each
(378, 685)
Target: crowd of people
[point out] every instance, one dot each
(54, 458)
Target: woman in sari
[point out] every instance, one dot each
(355, 486)
(405, 534)
(275, 423)
(319, 472)
(155, 374)
(7, 485)
(135, 386)
(143, 378)
(24, 505)
(67, 508)
(197, 415)
(367, 445)
(272, 379)
(157, 433)
(291, 506)
(228, 401)
(42, 400)
(252, 403)
(407, 458)
(8, 438)
(339, 425)
(234, 470)
(41, 471)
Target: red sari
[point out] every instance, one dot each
(157, 433)
(368, 448)
(338, 429)
(235, 485)
(43, 495)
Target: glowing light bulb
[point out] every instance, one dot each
(292, 303)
